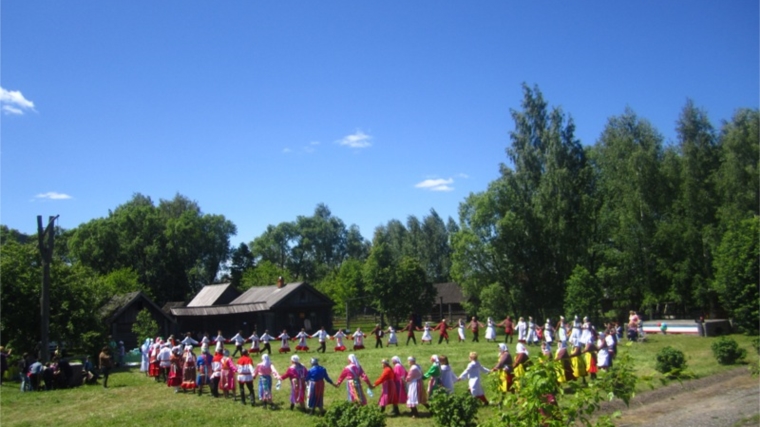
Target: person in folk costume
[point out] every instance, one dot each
(448, 377)
(392, 338)
(172, 342)
(216, 373)
(205, 340)
(426, 336)
(400, 371)
(602, 353)
(415, 390)
(154, 368)
(504, 369)
(239, 340)
(433, 374)
(355, 375)
(461, 327)
(164, 361)
(358, 337)
(474, 327)
(442, 329)
(561, 330)
(575, 334)
(387, 380)
(532, 335)
(549, 335)
(296, 373)
(338, 337)
(189, 340)
(227, 380)
(522, 330)
(322, 335)
(546, 350)
(472, 372)
(508, 329)
(520, 362)
(255, 343)
(245, 376)
(377, 331)
(587, 333)
(175, 369)
(565, 369)
(265, 339)
(577, 362)
(188, 369)
(219, 341)
(611, 340)
(315, 386)
(265, 371)
(410, 332)
(284, 341)
(145, 356)
(589, 353)
(490, 330)
(203, 368)
(302, 337)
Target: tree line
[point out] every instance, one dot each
(630, 222)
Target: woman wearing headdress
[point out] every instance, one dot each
(578, 363)
(301, 337)
(602, 353)
(284, 344)
(315, 386)
(338, 337)
(188, 369)
(433, 374)
(504, 369)
(461, 327)
(219, 340)
(589, 353)
(426, 337)
(255, 343)
(522, 329)
(400, 371)
(227, 380)
(265, 371)
(392, 338)
(532, 334)
(154, 368)
(297, 374)
(549, 333)
(387, 380)
(490, 330)
(565, 369)
(415, 391)
(358, 337)
(145, 356)
(203, 368)
(245, 376)
(354, 373)
(175, 369)
(521, 360)
(216, 373)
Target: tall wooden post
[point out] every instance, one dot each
(46, 253)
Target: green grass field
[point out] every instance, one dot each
(133, 399)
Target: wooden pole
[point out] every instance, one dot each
(46, 253)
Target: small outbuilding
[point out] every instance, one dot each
(120, 312)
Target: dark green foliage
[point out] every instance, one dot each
(347, 414)
(454, 409)
(727, 351)
(145, 326)
(670, 362)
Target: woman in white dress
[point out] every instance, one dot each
(460, 330)
(415, 389)
(472, 372)
(426, 336)
(522, 330)
(392, 338)
(490, 330)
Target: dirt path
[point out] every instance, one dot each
(728, 399)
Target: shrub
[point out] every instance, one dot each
(727, 351)
(454, 410)
(670, 361)
(347, 414)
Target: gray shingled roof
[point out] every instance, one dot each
(209, 295)
(269, 295)
(218, 310)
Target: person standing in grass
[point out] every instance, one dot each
(227, 380)
(415, 391)
(175, 369)
(216, 373)
(392, 338)
(448, 378)
(426, 336)
(203, 368)
(255, 340)
(358, 337)
(322, 336)
(389, 395)
(400, 371)
(265, 371)
(354, 373)
(265, 339)
(504, 369)
(297, 374)
(461, 327)
(508, 329)
(106, 363)
(284, 344)
(490, 330)
(443, 333)
(521, 359)
(377, 331)
(472, 373)
(433, 374)
(315, 386)
(220, 340)
(475, 329)
(245, 376)
(188, 369)
(302, 336)
(239, 340)
(338, 337)
(410, 332)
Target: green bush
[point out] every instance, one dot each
(453, 410)
(727, 351)
(670, 361)
(347, 414)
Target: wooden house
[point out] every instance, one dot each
(121, 313)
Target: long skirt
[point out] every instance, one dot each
(490, 333)
(579, 367)
(355, 392)
(476, 389)
(389, 395)
(505, 381)
(590, 359)
(297, 390)
(401, 390)
(154, 370)
(415, 394)
(316, 393)
(265, 388)
(188, 378)
(175, 376)
(460, 331)
(227, 382)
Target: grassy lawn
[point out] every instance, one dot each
(132, 399)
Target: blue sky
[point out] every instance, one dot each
(259, 111)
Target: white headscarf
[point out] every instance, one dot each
(295, 359)
(435, 359)
(395, 359)
(521, 348)
(352, 358)
(503, 347)
(265, 360)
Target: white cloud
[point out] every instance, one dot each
(287, 150)
(357, 139)
(13, 102)
(436, 184)
(52, 195)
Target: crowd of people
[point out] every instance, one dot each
(581, 350)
